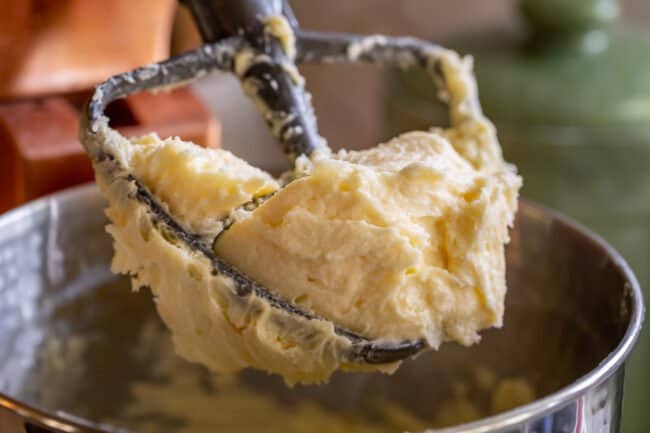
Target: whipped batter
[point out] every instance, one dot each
(401, 241)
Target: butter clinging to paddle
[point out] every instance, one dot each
(401, 241)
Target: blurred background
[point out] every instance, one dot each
(342, 92)
(568, 87)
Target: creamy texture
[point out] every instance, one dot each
(210, 324)
(199, 187)
(278, 27)
(401, 241)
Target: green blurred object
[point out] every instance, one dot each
(570, 95)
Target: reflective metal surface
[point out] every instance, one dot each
(74, 341)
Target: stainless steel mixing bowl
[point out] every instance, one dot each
(74, 341)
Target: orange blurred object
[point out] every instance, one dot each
(176, 113)
(57, 46)
(53, 52)
(185, 36)
(41, 153)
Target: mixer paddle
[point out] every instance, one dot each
(238, 40)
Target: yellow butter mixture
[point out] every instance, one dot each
(401, 241)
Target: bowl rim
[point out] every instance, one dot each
(65, 422)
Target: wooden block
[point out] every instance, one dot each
(10, 422)
(41, 153)
(185, 34)
(57, 46)
(178, 112)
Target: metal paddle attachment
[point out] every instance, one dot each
(240, 38)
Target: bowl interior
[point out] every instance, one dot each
(75, 340)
